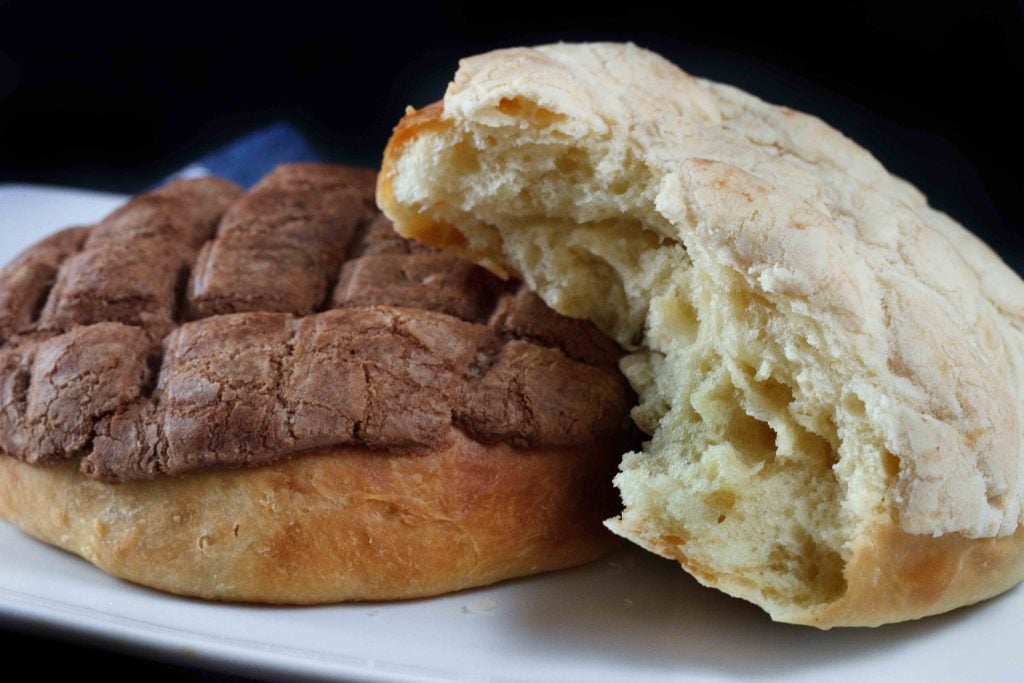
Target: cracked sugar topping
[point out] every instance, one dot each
(199, 326)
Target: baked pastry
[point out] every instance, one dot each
(272, 397)
(830, 370)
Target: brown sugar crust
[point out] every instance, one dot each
(132, 264)
(168, 344)
(273, 397)
(280, 247)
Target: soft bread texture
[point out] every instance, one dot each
(830, 370)
(344, 524)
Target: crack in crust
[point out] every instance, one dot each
(97, 364)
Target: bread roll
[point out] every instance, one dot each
(272, 397)
(830, 371)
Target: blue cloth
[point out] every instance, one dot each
(252, 156)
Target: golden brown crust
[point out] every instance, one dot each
(343, 524)
(414, 122)
(408, 223)
(891, 576)
(894, 575)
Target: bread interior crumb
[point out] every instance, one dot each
(763, 463)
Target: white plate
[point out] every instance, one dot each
(632, 617)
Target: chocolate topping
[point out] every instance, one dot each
(131, 263)
(280, 247)
(26, 281)
(414, 341)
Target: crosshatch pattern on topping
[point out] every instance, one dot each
(200, 326)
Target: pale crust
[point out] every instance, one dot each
(344, 524)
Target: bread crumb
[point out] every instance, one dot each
(480, 606)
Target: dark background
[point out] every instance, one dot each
(116, 97)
